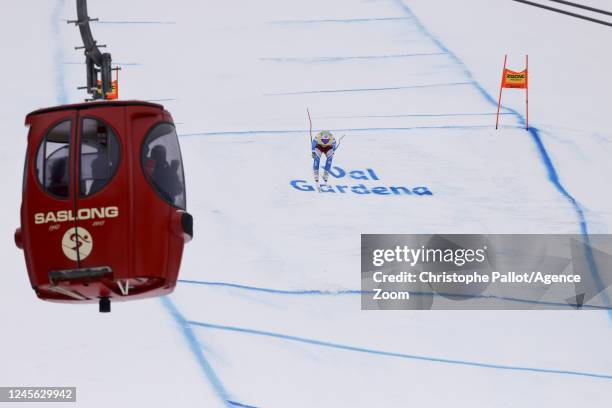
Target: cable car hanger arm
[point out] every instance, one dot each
(96, 61)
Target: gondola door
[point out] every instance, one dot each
(102, 200)
(48, 202)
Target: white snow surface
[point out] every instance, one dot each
(413, 84)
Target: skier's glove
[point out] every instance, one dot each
(314, 155)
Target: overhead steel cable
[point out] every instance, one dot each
(568, 13)
(582, 6)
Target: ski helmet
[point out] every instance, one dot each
(325, 137)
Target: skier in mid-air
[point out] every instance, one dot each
(323, 143)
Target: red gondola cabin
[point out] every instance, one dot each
(103, 213)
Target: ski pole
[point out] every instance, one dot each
(310, 122)
(339, 140)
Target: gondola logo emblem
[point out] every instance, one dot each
(77, 243)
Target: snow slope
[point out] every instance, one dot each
(266, 314)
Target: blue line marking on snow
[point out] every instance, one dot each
(196, 349)
(390, 88)
(340, 292)
(237, 404)
(544, 156)
(349, 58)
(58, 55)
(416, 115)
(372, 129)
(339, 20)
(276, 291)
(340, 346)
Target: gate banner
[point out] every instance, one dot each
(516, 80)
